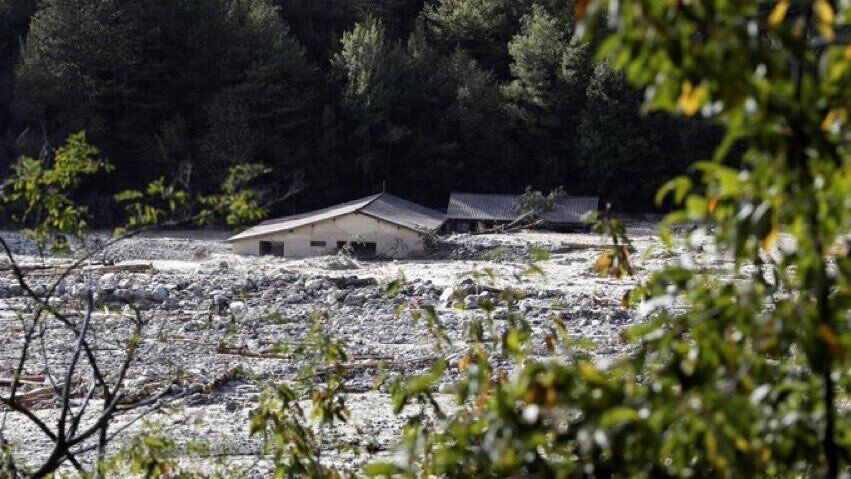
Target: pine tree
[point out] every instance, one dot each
(547, 93)
(481, 27)
(373, 69)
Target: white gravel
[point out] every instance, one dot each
(199, 297)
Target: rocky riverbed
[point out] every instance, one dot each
(212, 321)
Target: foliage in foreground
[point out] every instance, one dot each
(740, 374)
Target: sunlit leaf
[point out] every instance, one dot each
(778, 13)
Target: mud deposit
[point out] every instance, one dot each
(211, 319)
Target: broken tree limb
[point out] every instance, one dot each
(31, 380)
(273, 354)
(36, 395)
(56, 270)
(120, 268)
(350, 367)
(267, 354)
(523, 222)
(570, 247)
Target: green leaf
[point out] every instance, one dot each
(381, 469)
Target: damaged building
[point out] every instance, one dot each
(380, 225)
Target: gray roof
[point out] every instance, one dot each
(383, 206)
(497, 207)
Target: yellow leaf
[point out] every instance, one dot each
(778, 13)
(591, 373)
(691, 98)
(601, 266)
(824, 11)
(832, 117)
(770, 238)
(711, 446)
(626, 301)
(552, 397)
(713, 203)
(828, 120)
(826, 17)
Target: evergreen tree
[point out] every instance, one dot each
(547, 93)
(627, 155)
(424, 96)
(14, 23)
(186, 83)
(481, 27)
(373, 70)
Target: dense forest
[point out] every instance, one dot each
(423, 96)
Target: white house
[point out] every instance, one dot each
(381, 225)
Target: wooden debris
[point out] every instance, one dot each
(350, 367)
(273, 354)
(26, 268)
(36, 395)
(570, 247)
(344, 282)
(120, 268)
(523, 222)
(55, 270)
(270, 354)
(32, 380)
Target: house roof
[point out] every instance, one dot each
(383, 206)
(498, 207)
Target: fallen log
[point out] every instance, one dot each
(54, 270)
(273, 354)
(36, 395)
(349, 367)
(30, 380)
(570, 247)
(25, 268)
(344, 282)
(523, 222)
(267, 354)
(120, 268)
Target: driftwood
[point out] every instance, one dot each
(349, 367)
(32, 380)
(353, 281)
(56, 270)
(520, 223)
(272, 354)
(120, 268)
(26, 268)
(570, 247)
(267, 354)
(36, 395)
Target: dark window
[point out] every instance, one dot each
(273, 248)
(318, 243)
(359, 249)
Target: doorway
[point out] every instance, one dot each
(271, 248)
(359, 249)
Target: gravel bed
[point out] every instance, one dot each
(205, 307)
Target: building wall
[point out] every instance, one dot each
(391, 240)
